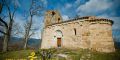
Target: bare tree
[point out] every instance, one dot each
(2, 22)
(16, 30)
(8, 27)
(35, 9)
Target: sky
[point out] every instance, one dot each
(70, 8)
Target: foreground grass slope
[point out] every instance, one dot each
(62, 54)
(15, 54)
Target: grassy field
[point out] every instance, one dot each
(15, 54)
(61, 54)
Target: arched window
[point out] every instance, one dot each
(58, 20)
(59, 33)
(75, 30)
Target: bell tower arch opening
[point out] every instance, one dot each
(52, 17)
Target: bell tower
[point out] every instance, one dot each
(52, 17)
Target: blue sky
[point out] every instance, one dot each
(70, 8)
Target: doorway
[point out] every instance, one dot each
(58, 42)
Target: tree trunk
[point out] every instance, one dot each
(7, 36)
(26, 38)
(27, 31)
(5, 42)
(25, 43)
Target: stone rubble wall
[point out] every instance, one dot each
(92, 33)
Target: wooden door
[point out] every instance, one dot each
(58, 42)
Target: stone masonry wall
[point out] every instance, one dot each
(69, 39)
(90, 34)
(101, 37)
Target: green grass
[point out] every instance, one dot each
(106, 56)
(78, 54)
(72, 54)
(23, 54)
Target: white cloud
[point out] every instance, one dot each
(17, 3)
(38, 20)
(116, 24)
(116, 21)
(37, 23)
(68, 5)
(94, 6)
(77, 2)
(65, 17)
(19, 19)
(37, 34)
(44, 2)
(18, 24)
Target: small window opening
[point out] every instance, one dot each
(75, 31)
(53, 13)
(58, 19)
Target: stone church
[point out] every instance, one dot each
(87, 32)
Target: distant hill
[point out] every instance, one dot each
(117, 42)
(117, 45)
(17, 43)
